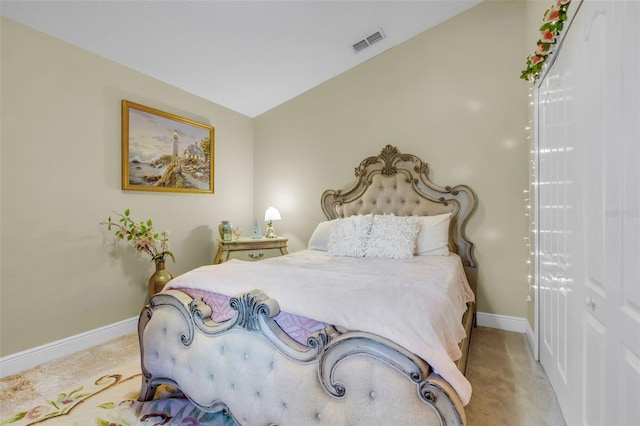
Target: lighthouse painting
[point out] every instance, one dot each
(165, 152)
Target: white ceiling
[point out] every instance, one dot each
(249, 56)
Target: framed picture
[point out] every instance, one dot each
(164, 152)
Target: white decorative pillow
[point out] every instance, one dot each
(433, 238)
(393, 237)
(348, 236)
(320, 238)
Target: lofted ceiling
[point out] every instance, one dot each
(249, 56)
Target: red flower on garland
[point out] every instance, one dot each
(536, 59)
(548, 36)
(553, 14)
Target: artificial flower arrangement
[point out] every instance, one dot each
(554, 19)
(142, 235)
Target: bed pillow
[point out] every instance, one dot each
(433, 238)
(320, 238)
(348, 237)
(393, 237)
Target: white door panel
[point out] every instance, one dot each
(594, 365)
(554, 271)
(588, 194)
(599, 174)
(626, 309)
(630, 388)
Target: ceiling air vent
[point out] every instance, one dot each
(368, 41)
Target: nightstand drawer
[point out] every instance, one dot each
(251, 255)
(250, 249)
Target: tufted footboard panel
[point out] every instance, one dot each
(245, 370)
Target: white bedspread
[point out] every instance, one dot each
(418, 303)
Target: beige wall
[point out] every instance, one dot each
(60, 273)
(451, 95)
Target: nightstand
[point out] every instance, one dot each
(246, 248)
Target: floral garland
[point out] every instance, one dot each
(554, 19)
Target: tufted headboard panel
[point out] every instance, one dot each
(393, 194)
(397, 183)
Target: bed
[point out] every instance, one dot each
(370, 325)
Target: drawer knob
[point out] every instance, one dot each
(256, 256)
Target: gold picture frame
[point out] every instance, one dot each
(164, 152)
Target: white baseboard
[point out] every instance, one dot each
(502, 322)
(15, 363)
(30, 358)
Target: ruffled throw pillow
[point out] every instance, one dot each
(393, 237)
(348, 237)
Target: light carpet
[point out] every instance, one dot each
(99, 386)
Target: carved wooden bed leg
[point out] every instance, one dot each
(147, 389)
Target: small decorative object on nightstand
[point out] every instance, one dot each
(269, 216)
(250, 249)
(226, 230)
(257, 232)
(237, 232)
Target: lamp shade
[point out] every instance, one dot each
(272, 214)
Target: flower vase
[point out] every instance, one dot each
(159, 278)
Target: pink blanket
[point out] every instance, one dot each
(417, 303)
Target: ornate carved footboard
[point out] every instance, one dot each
(250, 369)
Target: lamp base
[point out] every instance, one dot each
(271, 233)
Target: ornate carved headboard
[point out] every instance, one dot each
(397, 183)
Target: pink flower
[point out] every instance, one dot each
(536, 59)
(554, 14)
(543, 49)
(548, 36)
(143, 245)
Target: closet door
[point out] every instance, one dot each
(611, 314)
(598, 44)
(589, 255)
(556, 211)
(625, 312)
(560, 223)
